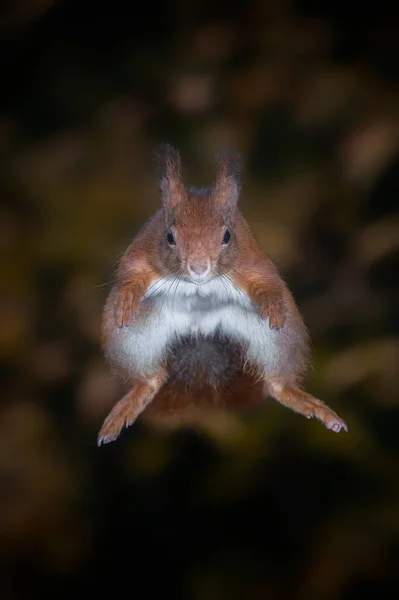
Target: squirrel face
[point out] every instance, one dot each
(199, 242)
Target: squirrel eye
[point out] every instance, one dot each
(226, 237)
(171, 239)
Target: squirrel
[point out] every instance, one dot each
(198, 313)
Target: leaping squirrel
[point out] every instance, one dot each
(198, 312)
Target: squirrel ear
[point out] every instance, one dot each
(228, 172)
(168, 166)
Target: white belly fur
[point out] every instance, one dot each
(184, 309)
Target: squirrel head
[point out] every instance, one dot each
(199, 241)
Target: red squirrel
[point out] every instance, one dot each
(199, 312)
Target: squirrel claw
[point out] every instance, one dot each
(122, 415)
(274, 311)
(337, 426)
(125, 309)
(330, 419)
(105, 439)
(276, 317)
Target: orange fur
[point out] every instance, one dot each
(184, 246)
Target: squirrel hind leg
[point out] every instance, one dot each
(306, 405)
(126, 411)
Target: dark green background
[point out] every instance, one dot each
(267, 506)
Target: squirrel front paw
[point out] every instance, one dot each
(271, 308)
(126, 307)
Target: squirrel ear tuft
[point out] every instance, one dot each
(168, 167)
(229, 166)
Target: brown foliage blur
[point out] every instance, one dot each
(268, 506)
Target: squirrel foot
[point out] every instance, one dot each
(272, 308)
(126, 307)
(306, 405)
(126, 411)
(122, 415)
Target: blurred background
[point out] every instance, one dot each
(264, 506)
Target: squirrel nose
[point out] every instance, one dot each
(198, 270)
